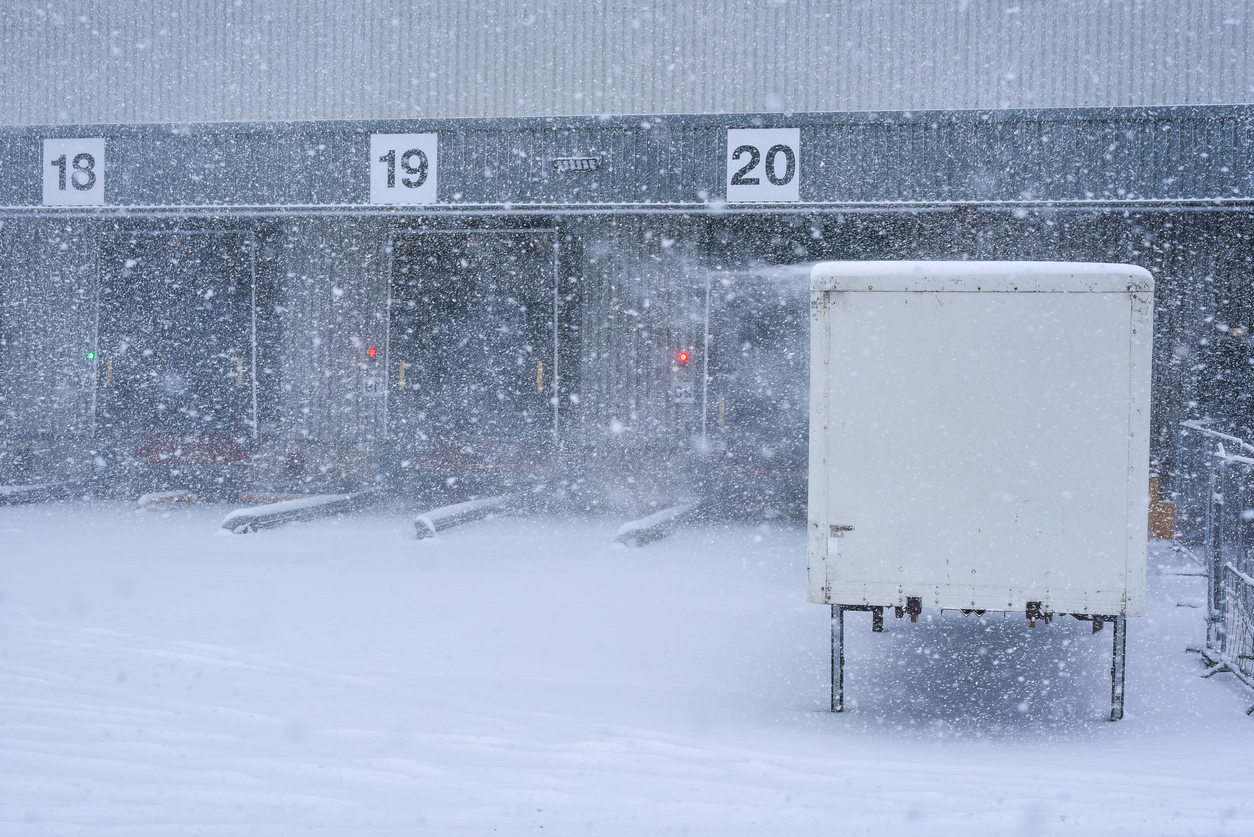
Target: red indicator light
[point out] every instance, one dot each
(682, 358)
(372, 352)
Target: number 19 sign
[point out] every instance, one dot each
(403, 168)
(74, 171)
(763, 164)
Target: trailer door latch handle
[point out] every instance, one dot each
(839, 531)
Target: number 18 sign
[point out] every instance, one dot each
(403, 168)
(74, 172)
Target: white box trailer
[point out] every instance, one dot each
(979, 440)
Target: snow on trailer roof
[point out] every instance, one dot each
(992, 277)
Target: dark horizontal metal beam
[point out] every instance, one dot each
(1082, 157)
(560, 210)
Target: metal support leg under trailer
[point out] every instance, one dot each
(1118, 654)
(1116, 667)
(838, 647)
(838, 658)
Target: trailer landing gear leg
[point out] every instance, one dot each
(838, 658)
(1116, 667)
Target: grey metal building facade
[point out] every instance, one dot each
(628, 220)
(235, 143)
(90, 61)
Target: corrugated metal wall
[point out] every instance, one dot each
(332, 277)
(74, 61)
(639, 284)
(643, 299)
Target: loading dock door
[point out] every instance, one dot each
(175, 340)
(470, 356)
(759, 399)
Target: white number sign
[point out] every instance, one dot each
(763, 164)
(74, 172)
(403, 168)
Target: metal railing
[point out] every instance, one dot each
(1214, 498)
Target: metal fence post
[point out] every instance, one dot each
(1214, 546)
(1235, 493)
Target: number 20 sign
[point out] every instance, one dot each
(403, 168)
(763, 164)
(74, 172)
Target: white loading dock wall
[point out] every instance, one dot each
(980, 435)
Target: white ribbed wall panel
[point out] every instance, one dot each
(212, 60)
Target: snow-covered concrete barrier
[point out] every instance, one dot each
(161, 498)
(657, 525)
(428, 523)
(254, 518)
(40, 492)
(979, 440)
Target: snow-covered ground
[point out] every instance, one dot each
(161, 677)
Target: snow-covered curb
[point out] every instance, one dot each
(253, 518)
(428, 523)
(655, 526)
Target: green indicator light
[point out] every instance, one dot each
(91, 355)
